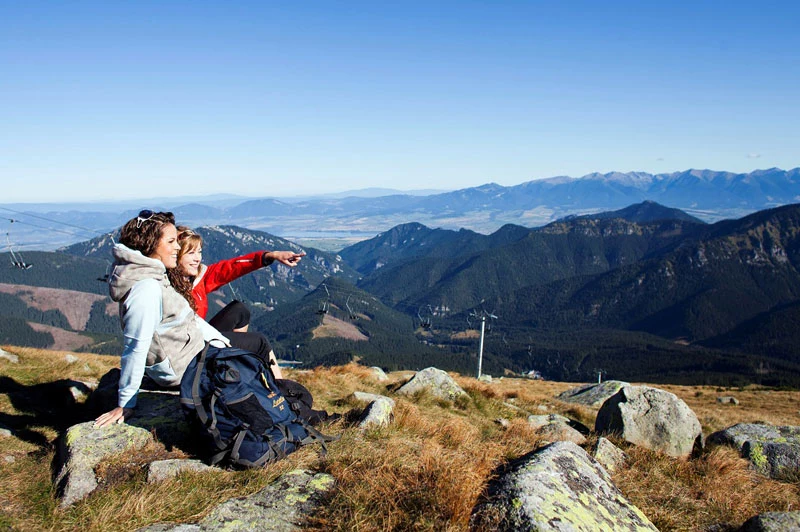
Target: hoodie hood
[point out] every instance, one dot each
(130, 267)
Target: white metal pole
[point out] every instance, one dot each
(480, 350)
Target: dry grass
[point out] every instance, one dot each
(424, 472)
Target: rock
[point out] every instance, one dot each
(561, 432)
(9, 357)
(592, 394)
(651, 418)
(5, 433)
(163, 469)
(379, 413)
(728, 400)
(70, 359)
(9, 459)
(538, 422)
(609, 455)
(156, 409)
(554, 427)
(543, 408)
(485, 378)
(503, 422)
(160, 411)
(82, 447)
(365, 397)
(559, 487)
(773, 451)
(434, 381)
(379, 374)
(773, 522)
(282, 506)
(80, 390)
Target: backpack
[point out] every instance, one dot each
(231, 398)
(301, 401)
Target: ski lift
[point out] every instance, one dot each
(17, 261)
(324, 304)
(353, 315)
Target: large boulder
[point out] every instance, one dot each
(592, 394)
(559, 487)
(436, 382)
(282, 506)
(773, 451)
(82, 447)
(773, 522)
(651, 418)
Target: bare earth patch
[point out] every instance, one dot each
(74, 305)
(335, 328)
(466, 335)
(62, 340)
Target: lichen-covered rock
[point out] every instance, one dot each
(609, 455)
(651, 418)
(282, 506)
(773, 451)
(773, 522)
(156, 409)
(379, 413)
(160, 411)
(70, 359)
(559, 487)
(82, 447)
(436, 382)
(379, 374)
(728, 400)
(485, 378)
(592, 394)
(161, 470)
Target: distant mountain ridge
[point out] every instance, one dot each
(706, 194)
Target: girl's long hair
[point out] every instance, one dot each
(182, 283)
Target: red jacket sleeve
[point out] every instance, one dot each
(220, 273)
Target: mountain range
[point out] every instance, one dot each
(706, 194)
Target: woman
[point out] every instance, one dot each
(161, 332)
(195, 280)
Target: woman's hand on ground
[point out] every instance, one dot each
(288, 258)
(117, 415)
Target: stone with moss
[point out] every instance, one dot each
(434, 381)
(283, 506)
(559, 487)
(609, 455)
(591, 394)
(82, 447)
(773, 451)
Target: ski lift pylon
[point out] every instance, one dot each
(17, 261)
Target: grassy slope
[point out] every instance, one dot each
(425, 472)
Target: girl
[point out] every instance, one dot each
(195, 280)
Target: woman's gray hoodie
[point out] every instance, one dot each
(161, 332)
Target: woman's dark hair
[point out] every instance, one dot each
(143, 232)
(181, 282)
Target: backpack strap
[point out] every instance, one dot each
(202, 415)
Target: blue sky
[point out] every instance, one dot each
(110, 100)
